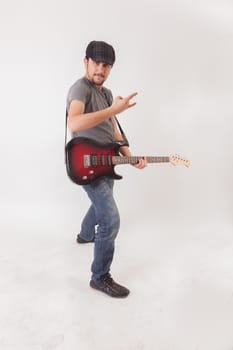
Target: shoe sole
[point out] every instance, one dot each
(80, 240)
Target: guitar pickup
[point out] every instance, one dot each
(109, 160)
(102, 159)
(86, 161)
(94, 160)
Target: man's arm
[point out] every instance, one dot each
(78, 120)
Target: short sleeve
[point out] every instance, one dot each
(78, 91)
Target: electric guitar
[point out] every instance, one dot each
(87, 160)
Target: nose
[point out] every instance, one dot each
(101, 66)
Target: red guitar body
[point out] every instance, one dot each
(87, 160)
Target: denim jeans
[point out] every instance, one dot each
(104, 215)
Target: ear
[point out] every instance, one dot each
(85, 61)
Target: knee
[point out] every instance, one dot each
(114, 224)
(109, 226)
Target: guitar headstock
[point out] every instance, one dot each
(177, 160)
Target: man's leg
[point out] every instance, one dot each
(87, 233)
(108, 220)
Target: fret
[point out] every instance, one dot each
(135, 159)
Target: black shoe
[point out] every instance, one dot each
(110, 287)
(81, 240)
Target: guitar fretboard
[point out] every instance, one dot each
(135, 159)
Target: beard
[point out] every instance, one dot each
(98, 79)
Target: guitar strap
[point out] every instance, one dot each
(119, 125)
(66, 137)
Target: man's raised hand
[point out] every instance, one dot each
(120, 104)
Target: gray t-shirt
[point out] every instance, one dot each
(94, 99)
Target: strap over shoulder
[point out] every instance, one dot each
(126, 142)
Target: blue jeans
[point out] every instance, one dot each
(103, 212)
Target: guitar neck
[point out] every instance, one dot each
(134, 159)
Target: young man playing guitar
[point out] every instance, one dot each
(91, 115)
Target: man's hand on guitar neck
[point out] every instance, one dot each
(142, 163)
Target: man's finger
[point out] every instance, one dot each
(131, 96)
(132, 104)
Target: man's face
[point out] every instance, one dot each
(97, 72)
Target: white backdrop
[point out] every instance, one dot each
(177, 55)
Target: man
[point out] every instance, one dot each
(91, 113)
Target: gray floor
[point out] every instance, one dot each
(180, 277)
